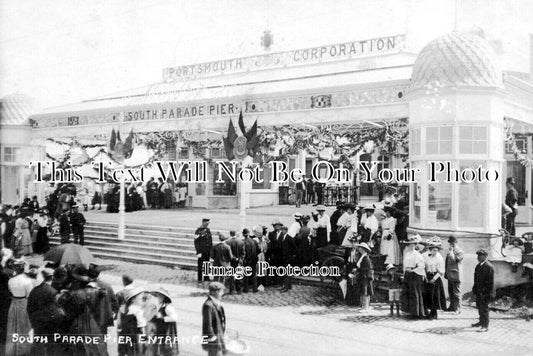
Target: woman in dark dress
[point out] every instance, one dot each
(42, 243)
(163, 324)
(80, 304)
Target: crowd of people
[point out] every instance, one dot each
(73, 302)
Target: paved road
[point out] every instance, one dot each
(311, 329)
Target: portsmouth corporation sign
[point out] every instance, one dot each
(333, 52)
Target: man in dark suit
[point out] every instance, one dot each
(333, 236)
(274, 248)
(45, 315)
(483, 285)
(203, 242)
(77, 221)
(454, 258)
(106, 306)
(251, 251)
(237, 251)
(288, 256)
(214, 321)
(511, 200)
(221, 256)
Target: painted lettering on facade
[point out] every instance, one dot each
(291, 58)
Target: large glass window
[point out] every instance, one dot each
(11, 154)
(473, 140)
(472, 197)
(417, 197)
(228, 187)
(439, 140)
(439, 200)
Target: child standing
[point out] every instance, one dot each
(395, 289)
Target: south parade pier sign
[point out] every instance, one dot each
(281, 59)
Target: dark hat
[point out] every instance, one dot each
(452, 239)
(306, 218)
(510, 180)
(205, 220)
(349, 206)
(482, 251)
(216, 286)
(339, 203)
(65, 209)
(388, 208)
(81, 273)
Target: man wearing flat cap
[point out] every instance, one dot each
(511, 200)
(214, 321)
(203, 242)
(483, 286)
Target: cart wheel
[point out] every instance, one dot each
(334, 261)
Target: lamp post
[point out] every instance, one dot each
(242, 213)
(119, 156)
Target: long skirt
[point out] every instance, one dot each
(18, 322)
(434, 294)
(391, 249)
(321, 237)
(412, 297)
(42, 244)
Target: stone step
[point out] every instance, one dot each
(139, 231)
(178, 244)
(142, 227)
(186, 239)
(141, 256)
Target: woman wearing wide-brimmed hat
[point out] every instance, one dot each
(163, 324)
(364, 275)
(434, 288)
(132, 323)
(412, 298)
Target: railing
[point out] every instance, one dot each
(330, 195)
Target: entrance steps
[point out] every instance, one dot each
(161, 245)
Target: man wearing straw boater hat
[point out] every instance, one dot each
(214, 321)
(322, 226)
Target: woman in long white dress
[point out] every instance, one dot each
(389, 242)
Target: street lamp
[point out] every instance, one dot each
(119, 156)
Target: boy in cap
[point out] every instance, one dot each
(77, 220)
(483, 286)
(214, 321)
(203, 242)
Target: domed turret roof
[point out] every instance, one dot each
(16, 108)
(455, 60)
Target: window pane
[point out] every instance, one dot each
(465, 147)
(465, 133)
(432, 133)
(228, 187)
(432, 147)
(439, 201)
(445, 147)
(480, 133)
(480, 147)
(446, 133)
(471, 200)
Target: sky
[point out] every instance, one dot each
(65, 51)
